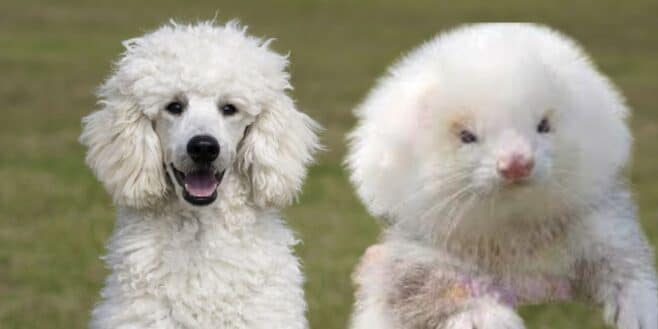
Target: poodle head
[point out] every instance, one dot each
(188, 106)
(489, 121)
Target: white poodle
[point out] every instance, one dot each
(496, 152)
(199, 146)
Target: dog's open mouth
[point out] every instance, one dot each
(200, 185)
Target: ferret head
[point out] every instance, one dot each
(488, 123)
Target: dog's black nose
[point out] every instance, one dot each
(203, 148)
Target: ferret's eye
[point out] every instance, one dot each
(175, 107)
(467, 137)
(544, 126)
(228, 109)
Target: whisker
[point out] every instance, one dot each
(455, 220)
(432, 188)
(436, 210)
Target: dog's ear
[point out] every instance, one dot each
(275, 151)
(124, 150)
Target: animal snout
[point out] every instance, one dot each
(515, 167)
(203, 148)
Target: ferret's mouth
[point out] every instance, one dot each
(518, 183)
(199, 185)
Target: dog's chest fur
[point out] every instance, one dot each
(198, 270)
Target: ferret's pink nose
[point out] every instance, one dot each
(515, 167)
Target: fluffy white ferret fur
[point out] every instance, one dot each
(496, 154)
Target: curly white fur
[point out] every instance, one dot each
(173, 264)
(460, 234)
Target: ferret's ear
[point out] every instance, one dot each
(124, 150)
(275, 152)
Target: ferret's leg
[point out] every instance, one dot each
(371, 314)
(616, 269)
(370, 310)
(484, 313)
(410, 292)
(430, 296)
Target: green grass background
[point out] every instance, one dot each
(55, 217)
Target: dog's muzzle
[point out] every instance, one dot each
(200, 184)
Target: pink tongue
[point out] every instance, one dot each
(200, 183)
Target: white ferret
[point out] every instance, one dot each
(496, 155)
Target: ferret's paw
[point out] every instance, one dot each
(486, 317)
(635, 307)
(371, 265)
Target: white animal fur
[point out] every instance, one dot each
(448, 210)
(175, 265)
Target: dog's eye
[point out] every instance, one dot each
(544, 126)
(175, 107)
(228, 109)
(467, 137)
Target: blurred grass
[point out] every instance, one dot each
(55, 218)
